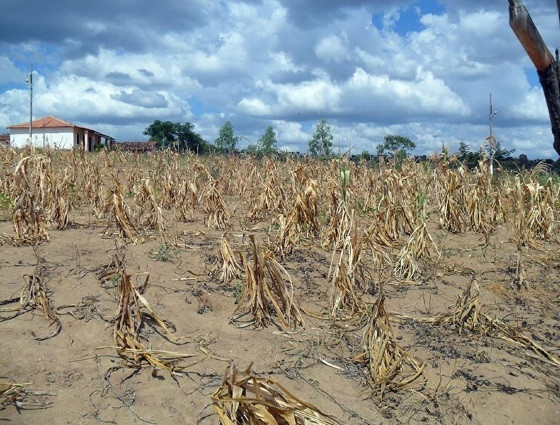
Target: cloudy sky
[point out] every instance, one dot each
(422, 69)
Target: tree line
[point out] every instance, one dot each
(183, 138)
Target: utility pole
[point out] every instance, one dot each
(492, 113)
(30, 82)
(491, 139)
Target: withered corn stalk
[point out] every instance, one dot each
(268, 292)
(121, 214)
(390, 367)
(248, 399)
(186, 200)
(406, 265)
(231, 267)
(467, 313)
(128, 323)
(28, 214)
(34, 296)
(150, 213)
(301, 220)
(452, 208)
(339, 222)
(214, 207)
(479, 201)
(347, 276)
(266, 201)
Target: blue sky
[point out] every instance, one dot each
(423, 69)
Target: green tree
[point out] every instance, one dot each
(501, 153)
(226, 139)
(464, 150)
(162, 132)
(176, 136)
(268, 142)
(395, 146)
(321, 143)
(188, 139)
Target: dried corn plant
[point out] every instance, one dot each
(466, 313)
(28, 215)
(540, 215)
(186, 200)
(34, 295)
(245, 398)
(94, 191)
(268, 292)
(169, 192)
(339, 221)
(301, 221)
(149, 212)
(128, 323)
(266, 201)
(231, 266)
(214, 206)
(121, 214)
(348, 276)
(534, 219)
(452, 216)
(59, 206)
(406, 264)
(390, 367)
(396, 208)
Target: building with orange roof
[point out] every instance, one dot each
(55, 133)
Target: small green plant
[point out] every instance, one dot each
(344, 176)
(163, 253)
(238, 292)
(5, 201)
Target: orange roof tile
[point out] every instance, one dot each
(46, 122)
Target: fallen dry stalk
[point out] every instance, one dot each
(246, 399)
(21, 398)
(467, 314)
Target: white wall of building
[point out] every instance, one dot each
(61, 138)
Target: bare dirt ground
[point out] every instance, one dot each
(468, 379)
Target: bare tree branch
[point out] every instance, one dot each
(524, 28)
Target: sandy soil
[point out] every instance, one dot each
(469, 379)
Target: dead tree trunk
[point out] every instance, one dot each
(547, 66)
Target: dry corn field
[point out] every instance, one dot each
(176, 289)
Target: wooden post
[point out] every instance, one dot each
(547, 65)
